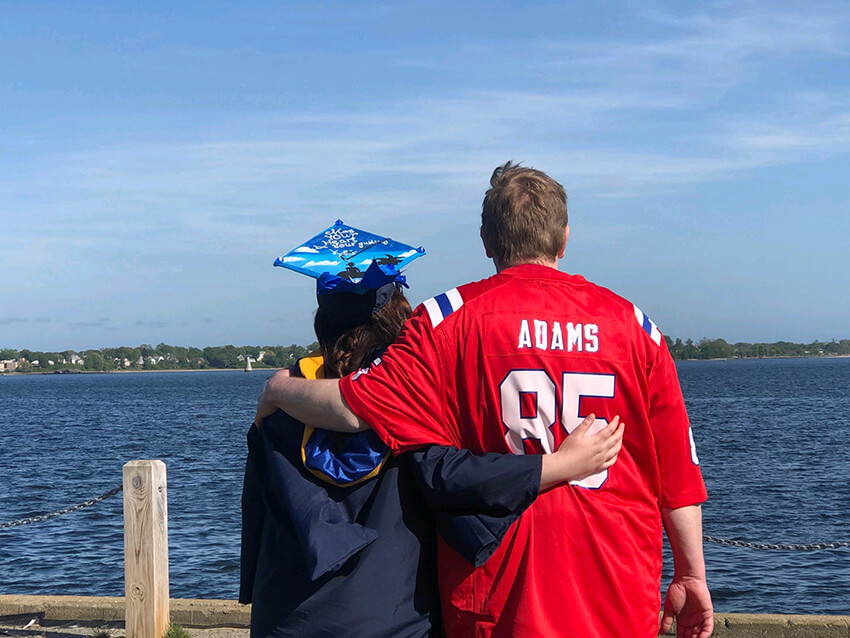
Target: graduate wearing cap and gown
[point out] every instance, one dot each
(338, 536)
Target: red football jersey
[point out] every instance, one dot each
(513, 363)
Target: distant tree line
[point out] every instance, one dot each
(166, 357)
(720, 349)
(159, 357)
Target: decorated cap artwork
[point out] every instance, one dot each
(346, 259)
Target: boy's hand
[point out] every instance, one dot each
(581, 454)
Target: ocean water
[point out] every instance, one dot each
(771, 436)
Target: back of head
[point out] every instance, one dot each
(348, 341)
(523, 216)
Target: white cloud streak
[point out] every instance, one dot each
(621, 118)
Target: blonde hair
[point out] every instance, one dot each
(523, 215)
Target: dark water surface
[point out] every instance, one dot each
(771, 436)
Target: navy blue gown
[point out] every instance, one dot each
(339, 537)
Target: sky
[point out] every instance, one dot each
(155, 158)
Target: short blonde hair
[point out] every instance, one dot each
(523, 216)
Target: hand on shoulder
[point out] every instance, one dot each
(266, 405)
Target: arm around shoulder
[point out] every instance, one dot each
(316, 402)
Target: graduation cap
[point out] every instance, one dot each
(356, 271)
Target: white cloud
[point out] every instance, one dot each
(615, 118)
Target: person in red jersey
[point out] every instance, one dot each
(514, 363)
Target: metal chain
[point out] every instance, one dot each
(708, 539)
(67, 510)
(777, 547)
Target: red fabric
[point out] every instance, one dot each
(581, 561)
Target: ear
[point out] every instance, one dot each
(566, 237)
(486, 249)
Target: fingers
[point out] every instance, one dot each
(584, 426)
(666, 622)
(614, 443)
(608, 430)
(611, 458)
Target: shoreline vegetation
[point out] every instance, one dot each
(147, 358)
(164, 357)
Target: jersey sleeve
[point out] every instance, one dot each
(681, 478)
(402, 394)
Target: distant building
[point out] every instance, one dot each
(76, 360)
(8, 365)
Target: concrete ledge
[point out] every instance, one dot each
(228, 613)
(780, 626)
(185, 612)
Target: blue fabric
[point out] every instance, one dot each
(344, 459)
(445, 307)
(344, 251)
(375, 277)
(321, 560)
(324, 528)
(325, 561)
(647, 325)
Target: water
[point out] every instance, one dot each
(772, 440)
(770, 433)
(64, 439)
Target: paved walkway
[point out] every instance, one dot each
(90, 617)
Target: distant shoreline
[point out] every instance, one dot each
(59, 373)
(73, 372)
(786, 356)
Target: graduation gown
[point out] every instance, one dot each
(338, 536)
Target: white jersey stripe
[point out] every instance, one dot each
(442, 306)
(648, 325)
(655, 334)
(433, 311)
(454, 299)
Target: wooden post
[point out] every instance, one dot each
(145, 549)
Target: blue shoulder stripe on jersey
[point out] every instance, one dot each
(647, 325)
(441, 306)
(444, 304)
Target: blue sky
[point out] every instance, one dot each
(156, 157)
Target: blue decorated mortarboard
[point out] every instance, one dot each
(346, 259)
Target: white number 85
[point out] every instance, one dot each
(529, 409)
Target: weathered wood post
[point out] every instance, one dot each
(145, 549)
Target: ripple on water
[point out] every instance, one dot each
(771, 436)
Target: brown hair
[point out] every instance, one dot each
(523, 216)
(346, 348)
